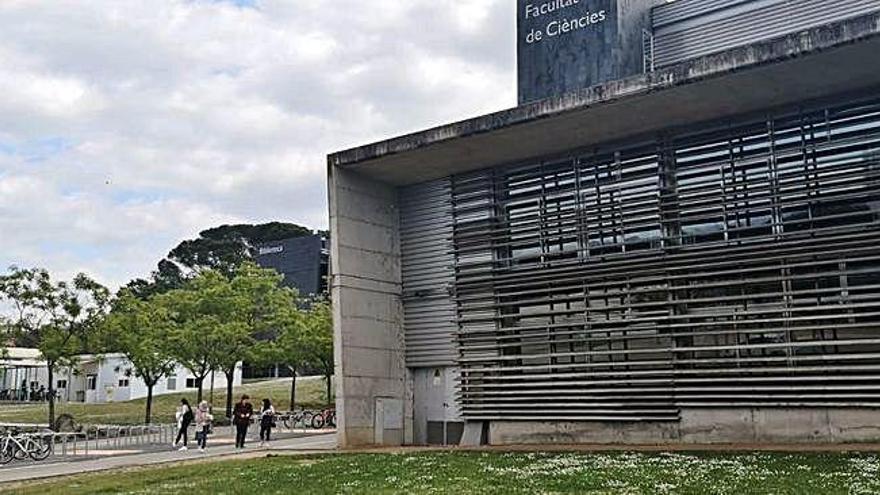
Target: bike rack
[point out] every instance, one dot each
(98, 437)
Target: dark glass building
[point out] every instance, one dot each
(302, 260)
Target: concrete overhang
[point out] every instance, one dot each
(830, 60)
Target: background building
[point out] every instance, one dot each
(302, 260)
(96, 380)
(682, 249)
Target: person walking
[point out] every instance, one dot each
(241, 418)
(185, 417)
(203, 424)
(267, 422)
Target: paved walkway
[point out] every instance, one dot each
(305, 443)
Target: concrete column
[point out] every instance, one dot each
(367, 310)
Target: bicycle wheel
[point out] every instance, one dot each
(18, 450)
(306, 418)
(331, 420)
(39, 449)
(317, 421)
(287, 421)
(6, 453)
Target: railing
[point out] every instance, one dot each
(96, 438)
(111, 437)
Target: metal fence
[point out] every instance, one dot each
(96, 438)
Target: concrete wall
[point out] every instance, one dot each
(367, 311)
(706, 426)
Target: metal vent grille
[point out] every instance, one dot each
(426, 264)
(688, 29)
(737, 267)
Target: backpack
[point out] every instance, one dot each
(188, 416)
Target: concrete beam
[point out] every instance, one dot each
(813, 64)
(705, 426)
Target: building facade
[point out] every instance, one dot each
(684, 254)
(303, 261)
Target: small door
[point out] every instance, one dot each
(435, 416)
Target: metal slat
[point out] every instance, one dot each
(736, 267)
(426, 267)
(688, 29)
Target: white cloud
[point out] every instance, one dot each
(126, 126)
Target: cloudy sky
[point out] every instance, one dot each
(129, 125)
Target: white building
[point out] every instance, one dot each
(98, 379)
(20, 369)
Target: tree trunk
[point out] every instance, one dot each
(199, 381)
(293, 389)
(51, 397)
(230, 377)
(329, 386)
(149, 402)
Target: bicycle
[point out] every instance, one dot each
(21, 446)
(303, 418)
(327, 417)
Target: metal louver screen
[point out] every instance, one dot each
(693, 28)
(738, 267)
(426, 264)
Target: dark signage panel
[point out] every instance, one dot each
(564, 45)
(567, 45)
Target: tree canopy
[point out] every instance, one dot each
(60, 319)
(211, 322)
(141, 330)
(221, 249)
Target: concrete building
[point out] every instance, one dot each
(96, 379)
(677, 249)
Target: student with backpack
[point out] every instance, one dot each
(185, 417)
(267, 422)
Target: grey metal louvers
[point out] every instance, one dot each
(426, 266)
(735, 267)
(687, 29)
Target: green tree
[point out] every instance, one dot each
(319, 341)
(168, 276)
(221, 248)
(60, 318)
(290, 346)
(225, 248)
(191, 332)
(257, 303)
(141, 330)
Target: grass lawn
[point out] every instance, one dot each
(310, 392)
(495, 473)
